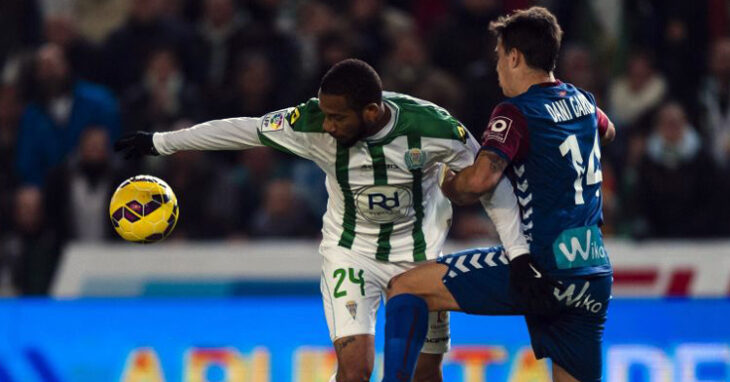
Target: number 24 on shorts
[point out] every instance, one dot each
(339, 275)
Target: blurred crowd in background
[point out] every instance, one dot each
(77, 74)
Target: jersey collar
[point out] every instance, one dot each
(547, 84)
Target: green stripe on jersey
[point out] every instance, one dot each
(342, 163)
(266, 141)
(379, 171)
(419, 243)
(383, 251)
(380, 175)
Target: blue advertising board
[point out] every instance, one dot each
(279, 339)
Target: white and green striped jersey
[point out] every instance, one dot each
(384, 198)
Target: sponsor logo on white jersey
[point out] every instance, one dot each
(384, 204)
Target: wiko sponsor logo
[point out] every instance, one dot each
(580, 247)
(580, 300)
(589, 250)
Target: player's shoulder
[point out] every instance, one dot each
(586, 93)
(506, 117)
(296, 130)
(425, 119)
(415, 107)
(506, 110)
(506, 107)
(306, 117)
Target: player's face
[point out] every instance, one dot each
(340, 120)
(504, 74)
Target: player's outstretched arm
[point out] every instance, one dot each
(223, 134)
(479, 179)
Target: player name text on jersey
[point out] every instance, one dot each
(570, 108)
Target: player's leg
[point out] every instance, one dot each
(438, 342)
(477, 282)
(424, 281)
(351, 296)
(573, 338)
(407, 321)
(438, 337)
(428, 368)
(561, 375)
(355, 358)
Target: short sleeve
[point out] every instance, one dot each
(460, 153)
(506, 133)
(286, 130)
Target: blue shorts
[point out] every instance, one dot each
(479, 281)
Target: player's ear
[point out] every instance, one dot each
(514, 58)
(370, 112)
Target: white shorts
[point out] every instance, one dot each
(352, 287)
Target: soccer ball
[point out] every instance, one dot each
(143, 209)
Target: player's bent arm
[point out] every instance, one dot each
(223, 134)
(471, 183)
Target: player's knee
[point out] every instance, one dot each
(391, 284)
(399, 284)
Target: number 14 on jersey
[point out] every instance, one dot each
(593, 174)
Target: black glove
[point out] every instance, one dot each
(534, 288)
(136, 145)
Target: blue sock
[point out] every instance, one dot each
(406, 323)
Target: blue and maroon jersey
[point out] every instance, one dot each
(550, 135)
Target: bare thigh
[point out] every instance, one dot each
(425, 281)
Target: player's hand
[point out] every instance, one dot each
(533, 286)
(136, 145)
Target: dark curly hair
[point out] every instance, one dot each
(354, 79)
